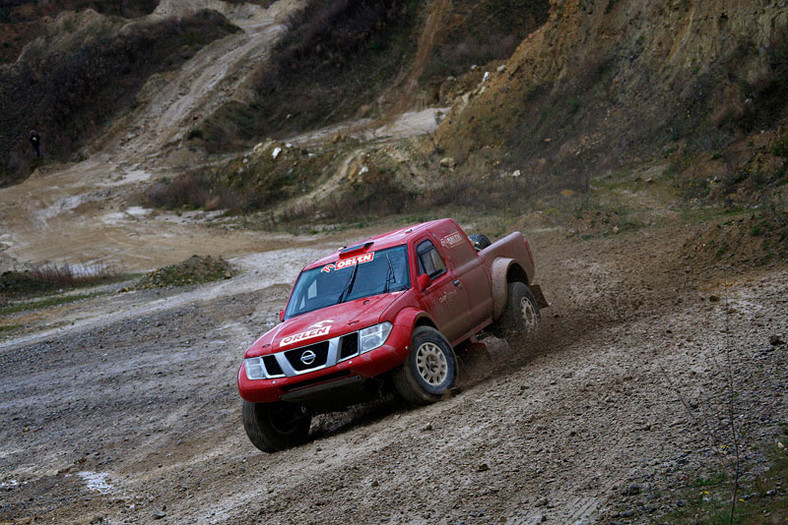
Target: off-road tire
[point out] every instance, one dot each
(520, 318)
(430, 369)
(275, 426)
(479, 241)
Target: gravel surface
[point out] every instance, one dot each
(123, 408)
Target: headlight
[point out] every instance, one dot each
(372, 337)
(254, 368)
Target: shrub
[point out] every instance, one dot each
(337, 57)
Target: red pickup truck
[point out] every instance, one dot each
(384, 314)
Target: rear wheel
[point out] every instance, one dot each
(275, 426)
(521, 315)
(430, 369)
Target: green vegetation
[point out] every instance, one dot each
(272, 173)
(761, 499)
(58, 300)
(51, 278)
(10, 328)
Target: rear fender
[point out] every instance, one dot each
(498, 272)
(501, 269)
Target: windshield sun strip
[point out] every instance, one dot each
(365, 276)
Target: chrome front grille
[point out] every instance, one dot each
(309, 358)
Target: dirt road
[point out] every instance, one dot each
(123, 408)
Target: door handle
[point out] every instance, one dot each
(457, 282)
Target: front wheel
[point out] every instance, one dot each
(430, 369)
(521, 316)
(275, 426)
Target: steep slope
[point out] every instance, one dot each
(86, 69)
(173, 104)
(611, 80)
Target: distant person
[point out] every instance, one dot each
(35, 141)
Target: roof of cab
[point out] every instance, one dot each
(382, 241)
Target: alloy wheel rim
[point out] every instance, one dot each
(528, 313)
(431, 363)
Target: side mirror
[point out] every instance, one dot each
(281, 316)
(423, 281)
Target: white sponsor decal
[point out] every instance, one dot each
(352, 261)
(450, 241)
(316, 330)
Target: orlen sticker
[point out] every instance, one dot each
(352, 261)
(327, 268)
(316, 330)
(451, 241)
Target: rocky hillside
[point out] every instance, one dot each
(550, 93)
(607, 82)
(83, 71)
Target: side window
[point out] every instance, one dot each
(430, 261)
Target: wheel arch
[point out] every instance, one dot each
(406, 322)
(505, 270)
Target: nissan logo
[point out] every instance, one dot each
(308, 357)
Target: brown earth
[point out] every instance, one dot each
(604, 83)
(123, 408)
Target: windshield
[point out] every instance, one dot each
(350, 278)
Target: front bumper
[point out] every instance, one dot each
(325, 381)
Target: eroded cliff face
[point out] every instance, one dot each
(609, 80)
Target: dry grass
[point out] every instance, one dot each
(52, 277)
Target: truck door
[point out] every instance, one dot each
(444, 298)
(468, 268)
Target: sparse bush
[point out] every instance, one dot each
(194, 270)
(337, 57)
(192, 191)
(195, 133)
(185, 191)
(481, 32)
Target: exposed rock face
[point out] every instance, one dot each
(611, 76)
